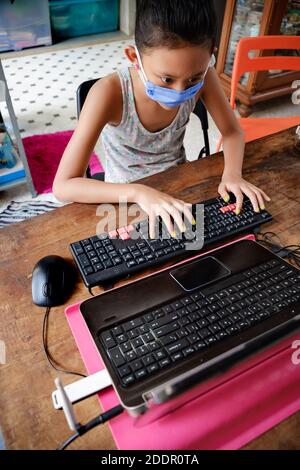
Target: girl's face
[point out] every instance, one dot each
(178, 69)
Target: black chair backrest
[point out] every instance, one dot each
(199, 110)
(82, 92)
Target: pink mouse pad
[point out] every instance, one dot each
(225, 412)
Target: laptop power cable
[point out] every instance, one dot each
(66, 404)
(272, 241)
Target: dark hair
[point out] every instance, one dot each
(171, 23)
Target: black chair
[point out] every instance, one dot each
(199, 110)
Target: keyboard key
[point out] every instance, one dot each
(117, 330)
(164, 320)
(132, 324)
(98, 267)
(213, 317)
(148, 360)
(122, 338)
(193, 307)
(125, 347)
(233, 329)
(83, 260)
(176, 305)
(107, 264)
(148, 317)
(178, 346)
(192, 328)
(153, 346)
(137, 342)
(165, 340)
(77, 248)
(143, 329)
(204, 333)
(177, 357)
(202, 323)
(243, 324)
(136, 365)
(108, 340)
(225, 323)
(133, 333)
(215, 328)
(128, 380)
(200, 345)
(211, 340)
(221, 335)
(117, 357)
(148, 337)
(165, 362)
(88, 270)
(124, 370)
(164, 330)
(130, 355)
(152, 368)
(160, 354)
(140, 374)
(142, 350)
(188, 351)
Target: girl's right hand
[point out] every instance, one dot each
(156, 203)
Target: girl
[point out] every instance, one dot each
(142, 112)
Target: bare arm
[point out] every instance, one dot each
(70, 184)
(219, 108)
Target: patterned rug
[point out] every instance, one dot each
(19, 211)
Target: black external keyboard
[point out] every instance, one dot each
(161, 337)
(118, 254)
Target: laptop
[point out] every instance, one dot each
(163, 334)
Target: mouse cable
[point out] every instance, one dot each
(272, 241)
(45, 346)
(90, 291)
(84, 428)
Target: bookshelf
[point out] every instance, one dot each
(20, 173)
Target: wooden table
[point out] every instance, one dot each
(28, 419)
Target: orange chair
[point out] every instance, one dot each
(255, 128)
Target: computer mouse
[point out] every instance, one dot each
(53, 280)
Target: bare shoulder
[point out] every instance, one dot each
(107, 93)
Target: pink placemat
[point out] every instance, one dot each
(225, 412)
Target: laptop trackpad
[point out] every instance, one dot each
(200, 273)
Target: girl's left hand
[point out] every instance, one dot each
(237, 185)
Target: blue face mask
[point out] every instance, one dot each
(167, 96)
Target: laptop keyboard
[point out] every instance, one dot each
(155, 340)
(117, 254)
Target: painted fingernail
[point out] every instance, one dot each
(262, 208)
(238, 212)
(183, 228)
(226, 198)
(257, 210)
(173, 234)
(193, 221)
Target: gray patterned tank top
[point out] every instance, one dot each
(132, 152)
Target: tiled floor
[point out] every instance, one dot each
(43, 88)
